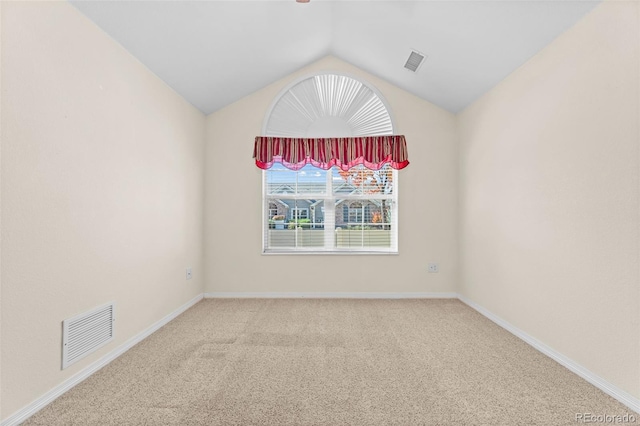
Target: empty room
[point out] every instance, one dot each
(319, 212)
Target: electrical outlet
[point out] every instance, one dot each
(433, 268)
(189, 274)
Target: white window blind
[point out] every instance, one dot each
(331, 211)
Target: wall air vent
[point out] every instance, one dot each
(85, 333)
(414, 61)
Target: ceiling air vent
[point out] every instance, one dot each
(414, 61)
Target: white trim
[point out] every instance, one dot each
(28, 411)
(307, 252)
(606, 387)
(320, 295)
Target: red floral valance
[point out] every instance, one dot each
(294, 153)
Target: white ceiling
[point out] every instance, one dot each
(216, 52)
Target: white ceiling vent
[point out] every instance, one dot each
(414, 61)
(84, 333)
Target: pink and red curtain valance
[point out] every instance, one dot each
(294, 153)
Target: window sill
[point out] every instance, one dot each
(330, 253)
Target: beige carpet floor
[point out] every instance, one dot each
(330, 362)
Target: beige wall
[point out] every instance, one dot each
(549, 199)
(427, 203)
(102, 188)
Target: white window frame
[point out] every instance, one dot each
(329, 223)
(328, 208)
(272, 212)
(357, 212)
(295, 210)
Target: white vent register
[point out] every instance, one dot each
(414, 61)
(85, 333)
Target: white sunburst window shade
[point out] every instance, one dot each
(330, 162)
(329, 105)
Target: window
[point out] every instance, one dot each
(355, 212)
(351, 211)
(299, 213)
(329, 211)
(273, 210)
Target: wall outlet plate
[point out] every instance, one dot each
(189, 274)
(433, 268)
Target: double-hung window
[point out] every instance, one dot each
(331, 211)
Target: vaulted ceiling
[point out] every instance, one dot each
(216, 52)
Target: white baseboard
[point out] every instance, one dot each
(606, 387)
(335, 295)
(63, 387)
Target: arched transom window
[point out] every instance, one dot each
(329, 105)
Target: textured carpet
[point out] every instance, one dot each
(330, 362)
